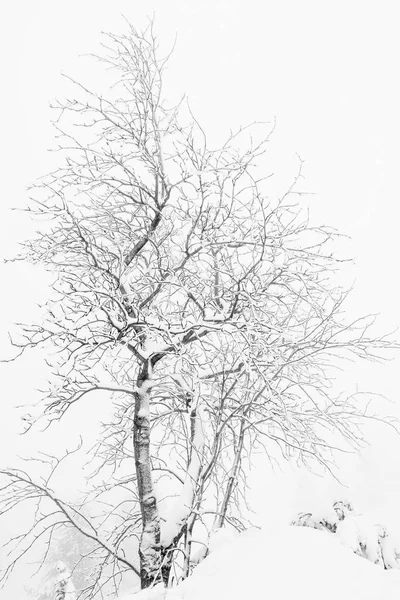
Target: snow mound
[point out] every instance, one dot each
(295, 562)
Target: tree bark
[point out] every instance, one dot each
(150, 547)
(232, 481)
(180, 514)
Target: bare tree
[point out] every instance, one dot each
(204, 308)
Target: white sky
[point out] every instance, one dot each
(328, 71)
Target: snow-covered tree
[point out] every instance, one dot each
(201, 305)
(56, 584)
(68, 547)
(357, 532)
(64, 588)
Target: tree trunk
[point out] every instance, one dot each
(149, 548)
(156, 552)
(168, 558)
(232, 481)
(176, 524)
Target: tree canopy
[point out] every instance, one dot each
(206, 310)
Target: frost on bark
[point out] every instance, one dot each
(149, 549)
(157, 544)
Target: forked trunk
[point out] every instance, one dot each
(156, 552)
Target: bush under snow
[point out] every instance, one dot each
(358, 532)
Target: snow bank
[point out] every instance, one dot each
(296, 562)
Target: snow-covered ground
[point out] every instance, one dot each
(289, 563)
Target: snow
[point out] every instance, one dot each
(293, 562)
(356, 531)
(220, 537)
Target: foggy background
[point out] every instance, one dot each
(328, 73)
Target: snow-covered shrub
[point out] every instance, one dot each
(357, 532)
